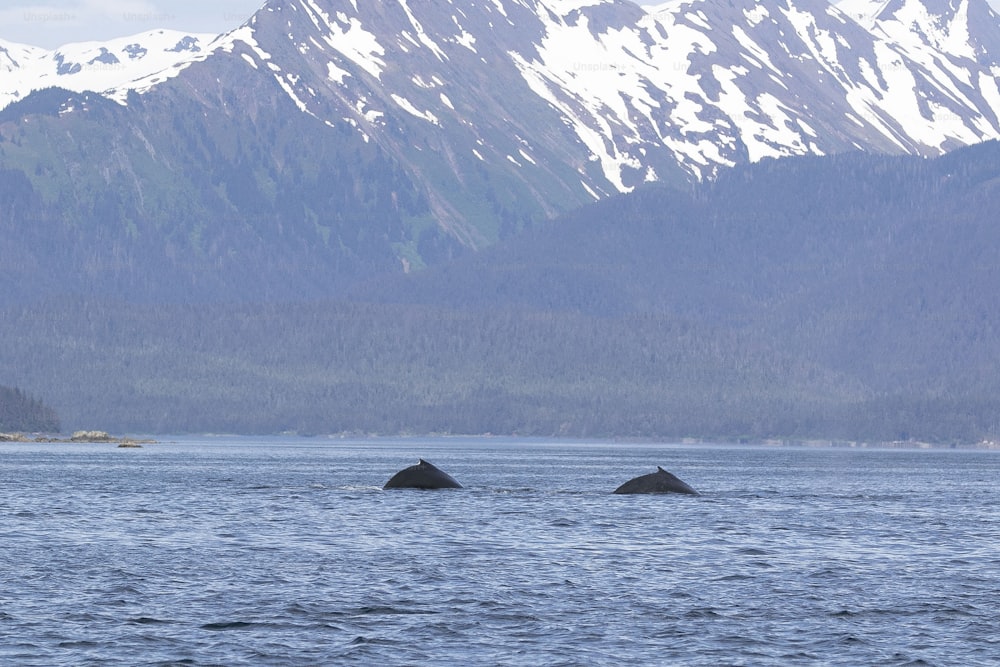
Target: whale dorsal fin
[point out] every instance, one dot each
(660, 469)
(426, 463)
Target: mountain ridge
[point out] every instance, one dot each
(483, 120)
(811, 37)
(111, 67)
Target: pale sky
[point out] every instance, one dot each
(52, 23)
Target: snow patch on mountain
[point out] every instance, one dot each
(618, 95)
(864, 12)
(347, 36)
(110, 68)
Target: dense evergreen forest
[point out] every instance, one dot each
(851, 297)
(330, 367)
(20, 412)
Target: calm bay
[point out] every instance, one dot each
(258, 551)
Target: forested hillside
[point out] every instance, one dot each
(20, 412)
(182, 208)
(778, 239)
(330, 367)
(844, 297)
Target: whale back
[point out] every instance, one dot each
(423, 475)
(660, 481)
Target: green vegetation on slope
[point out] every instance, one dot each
(848, 297)
(21, 412)
(332, 367)
(174, 204)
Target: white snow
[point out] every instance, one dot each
(600, 85)
(464, 38)
(421, 33)
(590, 191)
(408, 107)
(759, 53)
(112, 67)
(371, 116)
(910, 24)
(991, 93)
(822, 44)
(498, 4)
(864, 12)
(347, 36)
(289, 87)
(335, 73)
(707, 94)
(756, 15)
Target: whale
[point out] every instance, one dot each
(660, 481)
(423, 475)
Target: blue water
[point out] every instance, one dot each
(273, 552)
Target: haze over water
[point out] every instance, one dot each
(287, 551)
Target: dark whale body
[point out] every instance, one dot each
(423, 475)
(660, 481)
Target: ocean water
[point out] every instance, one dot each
(239, 551)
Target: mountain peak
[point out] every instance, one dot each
(956, 28)
(694, 84)
(106, 67)
(491, 114)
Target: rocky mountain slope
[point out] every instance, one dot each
(357, 136)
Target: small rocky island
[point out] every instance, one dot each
(78, 436)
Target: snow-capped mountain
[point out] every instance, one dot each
(113, 67)
(959, 29)
(801, 77)
(632, 93)
(699, 83)
(373, 133)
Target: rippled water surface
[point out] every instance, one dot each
(240, 551)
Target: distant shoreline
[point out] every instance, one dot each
(102, 437)
(77, 437)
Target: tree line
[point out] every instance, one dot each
(852, 297)
(22, 412)
(337, 367)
